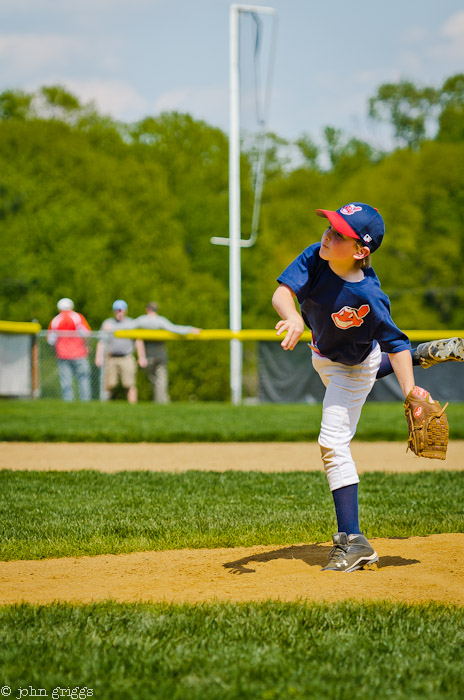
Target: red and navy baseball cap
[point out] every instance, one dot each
(357, 220)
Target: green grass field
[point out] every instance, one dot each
(52, 514)
(226, 651)
(235, 652)
(49, 420)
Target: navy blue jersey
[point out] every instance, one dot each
(346, 318)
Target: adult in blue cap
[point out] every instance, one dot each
(116, 355)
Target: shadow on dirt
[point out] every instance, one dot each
(311, 554)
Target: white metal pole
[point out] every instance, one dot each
(235, 280)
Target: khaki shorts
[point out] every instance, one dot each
(124, 368)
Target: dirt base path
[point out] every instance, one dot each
(416, 569)
(412, 570)
(240, 456)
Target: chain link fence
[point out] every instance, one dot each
(64, 366)
(74, 377)
(61, 365)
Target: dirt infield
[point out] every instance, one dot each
(415, 569)
(263, 456)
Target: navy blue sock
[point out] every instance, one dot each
(386, 368)
(346, 508)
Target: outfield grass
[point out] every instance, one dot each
(235, 651)
(54, 514)
(272, 650)
(55, 421)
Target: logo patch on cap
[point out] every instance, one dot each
(350, 209)
(367, 238)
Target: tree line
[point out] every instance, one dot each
(97, 210)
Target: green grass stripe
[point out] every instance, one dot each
(236, 651)
(54, 514)
(48, 420)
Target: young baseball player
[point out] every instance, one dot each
(349, 315)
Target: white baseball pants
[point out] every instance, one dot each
(347, 388)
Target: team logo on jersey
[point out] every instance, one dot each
(348, 317)
(350, 209)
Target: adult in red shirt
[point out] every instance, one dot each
(67, 333)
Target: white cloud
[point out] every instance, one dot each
(121, 100)
(23, 53)
(117, 98)
(451, 46)
(76, 6)
(210, 103)
(25, 56)
(454, 27)
(174, 100)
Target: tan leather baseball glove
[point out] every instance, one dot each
(427, 425)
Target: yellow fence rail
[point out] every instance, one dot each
(19, 327)
(218, 333)
(244, 335)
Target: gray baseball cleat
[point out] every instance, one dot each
(436, 351)
(350, 553)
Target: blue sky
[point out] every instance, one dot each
(139, 57)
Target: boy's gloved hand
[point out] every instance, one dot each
(427, 424)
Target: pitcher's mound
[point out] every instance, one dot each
(412, 570)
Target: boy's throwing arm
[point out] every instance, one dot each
(283, 302)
